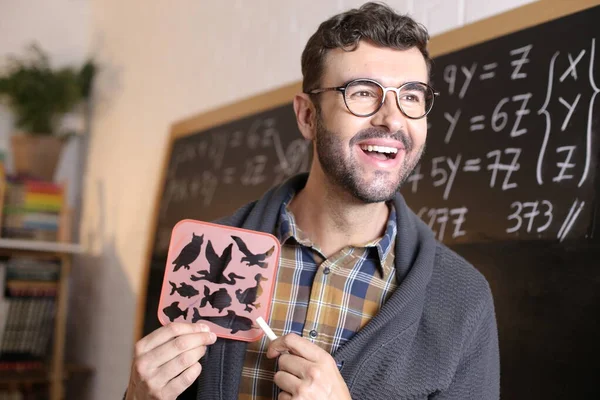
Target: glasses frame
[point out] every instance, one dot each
(342, 89)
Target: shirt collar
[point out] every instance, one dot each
(287, 229)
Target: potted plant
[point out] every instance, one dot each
(39, 97)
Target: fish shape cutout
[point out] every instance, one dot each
(217, 265)
(219, 299)
(250, 258)
(189, 253)
(173, 311)
(230, 321)
(249, 295)
(184, 290)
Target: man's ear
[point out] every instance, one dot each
(306, 115)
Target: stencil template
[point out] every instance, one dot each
(221, 276)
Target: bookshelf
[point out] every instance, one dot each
(52, 373)
(56, 372)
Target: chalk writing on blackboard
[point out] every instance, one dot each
(252, 171)
(509, 152)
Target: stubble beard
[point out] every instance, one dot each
(345, 172)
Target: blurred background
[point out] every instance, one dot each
(97, 84)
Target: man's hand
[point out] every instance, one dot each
(306, 371)
(166, 361)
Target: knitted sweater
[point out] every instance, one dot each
(434, 338)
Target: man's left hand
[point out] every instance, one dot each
(306, 371)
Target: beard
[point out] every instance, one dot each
(346, 172)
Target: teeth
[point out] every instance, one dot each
(380, 149)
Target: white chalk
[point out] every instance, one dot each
(266, 328)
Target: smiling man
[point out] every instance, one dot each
(367, 304)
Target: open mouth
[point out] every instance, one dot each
(380, 152)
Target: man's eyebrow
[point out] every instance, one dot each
(346, 81)
(415, 85)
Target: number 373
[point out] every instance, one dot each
(531, 213)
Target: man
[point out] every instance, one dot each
(367, 304)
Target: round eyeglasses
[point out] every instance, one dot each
(364, 97)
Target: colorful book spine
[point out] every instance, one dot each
(43, 200)
(32, 209)
(43, 187)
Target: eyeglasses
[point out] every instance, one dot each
(364, 97)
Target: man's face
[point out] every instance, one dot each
(343, 140)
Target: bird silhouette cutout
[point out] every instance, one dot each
(230, 321)
(173, 311)
(189, 253)
(216, 267)
(249, 296)
(219, 299)
(184, 290)
(250, 258)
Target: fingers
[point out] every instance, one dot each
(177, 386)
(166, 333)
(284, 396)
(177, 366)
(295, 344)
(287, 382)
(166, 361)
(295, 365)
(176, 346)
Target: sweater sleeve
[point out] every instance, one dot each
(477, 376)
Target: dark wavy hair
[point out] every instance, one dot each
(374, 22)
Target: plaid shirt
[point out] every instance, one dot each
(325, 300)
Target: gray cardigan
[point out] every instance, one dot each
(435, 337)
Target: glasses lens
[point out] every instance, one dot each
(415, 99)
(363, 97)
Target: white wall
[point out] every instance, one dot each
(160, 62)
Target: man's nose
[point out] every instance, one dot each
(389, 115)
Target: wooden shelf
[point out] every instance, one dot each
(41, 375)
(56, 373)
(41, 246)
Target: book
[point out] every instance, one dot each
(32, 209)
(32, 269)
(29, 297)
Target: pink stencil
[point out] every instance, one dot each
(221, 276)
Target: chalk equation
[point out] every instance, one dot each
(525, 217)
(265, 161)
(510, 148)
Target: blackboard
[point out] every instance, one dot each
(527, 226)
(214, 167)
